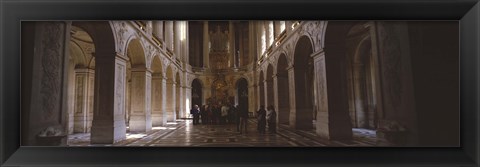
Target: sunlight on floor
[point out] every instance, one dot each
(135, 136)
(162, 128)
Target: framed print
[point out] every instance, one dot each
(247, 83)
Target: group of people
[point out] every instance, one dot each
(266, 117)
(235, 114)
(220, 115)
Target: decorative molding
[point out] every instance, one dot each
(51, 53)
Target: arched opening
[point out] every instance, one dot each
(139, 87)
(269, 86)
(197, 92)
(157, 92)
(283, 90)
(80, 81)
(361, 84)
(303, 71)
(108, 124)
(170, 97)
(242, 93)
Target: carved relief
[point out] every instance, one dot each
(120, 87)
(150, 54)
(52, 55)
(147, 93)
(79, 92)
(122, 35)
(391, 54)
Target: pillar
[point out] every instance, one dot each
(108, 124)
(176, 40)
(188, 101)
(265, 90)
(291, 83)
(276, 29)
(270, 35)
(206, 46)
(158, 105)
(231, 44)
(252, 98)
(140, 118)
(169, 35)
(158, 29)
(44, 97)
(332, 122)
(170, 108)
(164, 101)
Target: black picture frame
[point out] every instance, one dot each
(12, 12)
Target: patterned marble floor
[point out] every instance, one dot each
(183, 133)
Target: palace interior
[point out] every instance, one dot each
(331, 83)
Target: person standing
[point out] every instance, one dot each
(271, 119)
(261, 118)
(224, 113)
(196, 113)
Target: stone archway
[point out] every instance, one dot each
(80, 81)
(303, 115)
(170, 96)
(283, 90)
(361, 76)
(108, 124)
(140, 89)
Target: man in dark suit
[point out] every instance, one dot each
(196, 113)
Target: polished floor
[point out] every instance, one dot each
(183, 133)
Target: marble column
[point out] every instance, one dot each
(158, 29)
(206, 45)
(149, 28)
(251, 98)
(108, 124)
(276, 29)
(288, 26)
(140, 118)
(169, 35)
(179, 101)
(176, 40)
(275, 94)
(291, 83)
(188, 101)
(266, 91)
(165, 105)
(231, 43)
(44, 99)
(270, 36)
(171, 106)
(252, 42)
(81, 107)
(90, 98)
(157, 99)
(333, 121)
